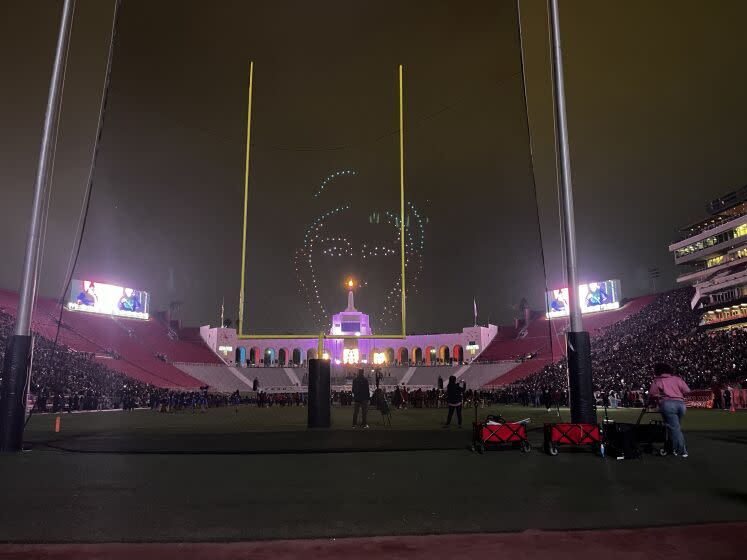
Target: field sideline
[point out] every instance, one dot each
(276, 418)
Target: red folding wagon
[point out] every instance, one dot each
(574, 435)
(496, 431)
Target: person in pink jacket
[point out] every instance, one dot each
(670, 391)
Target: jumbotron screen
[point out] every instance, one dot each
(595, 296)
(107, 299)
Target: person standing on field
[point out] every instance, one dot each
(454, 395)
(361, 395)
(670, 390)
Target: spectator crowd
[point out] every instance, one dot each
(623, 355)
(62, 378)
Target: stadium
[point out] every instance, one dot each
(181, 379)
(711, 249)
(152, 354)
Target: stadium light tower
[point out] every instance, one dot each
(580, 388)
(17, 365)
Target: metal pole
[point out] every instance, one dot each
(566, 183)
(18, 353)
(28, 283)
(581, 393)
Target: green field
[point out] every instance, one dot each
(251, 419)
(144, 476)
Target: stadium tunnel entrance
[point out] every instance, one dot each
(417, 355)
(402, 355)
(254, 356)
(269, 356)
(430, 355)
(458, 353)
(282, 356)
(443, 354)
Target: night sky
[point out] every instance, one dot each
(657, 125)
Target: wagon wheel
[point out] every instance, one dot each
(553, 450)
(662, 452)
(526, 447)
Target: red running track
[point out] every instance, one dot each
(714, 542)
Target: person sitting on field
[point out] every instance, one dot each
(361, 394)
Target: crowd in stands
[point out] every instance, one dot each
(72, 380)
(624, 353)
(623, 356)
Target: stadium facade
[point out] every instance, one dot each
(713, 253)
(423, 349)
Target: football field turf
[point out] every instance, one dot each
(144, 476)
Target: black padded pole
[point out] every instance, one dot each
(320, 413)
(580, 389)
(16, 372)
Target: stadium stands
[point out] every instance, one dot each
(479, 374)
(110, 359)
(228, 378)
(116, 343)
(218, 376)
(537, 341)
(75, 380)
(155, 336)
(428, 376)
(268, 377)
(624, 353)
(136, 358)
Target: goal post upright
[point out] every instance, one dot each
(246, 197)
(402, 200)
(322, 336)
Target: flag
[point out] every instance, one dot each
(474, 304)
(222, 312)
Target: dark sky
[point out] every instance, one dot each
(656, 116)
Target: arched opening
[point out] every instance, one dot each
(254, 356)
(430, 355)
(389, 356)
(282, 356)
(240, 355)
(379, 356)
(417, 355)
(443, 354)
(296, 357)
(269, 356)
(458, 353)
(310, 354)
(402, 355)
